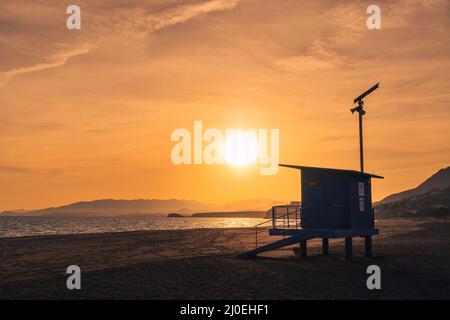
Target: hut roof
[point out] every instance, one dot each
(354, 172)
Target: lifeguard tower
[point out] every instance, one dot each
(336, 203)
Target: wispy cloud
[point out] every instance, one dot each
(54, 61)
(184, 13)
(138, 21)
(318, 56)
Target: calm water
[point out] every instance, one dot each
(31, 226)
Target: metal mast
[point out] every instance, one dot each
(361, 113)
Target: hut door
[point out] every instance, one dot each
(336, 196)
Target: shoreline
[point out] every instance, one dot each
(38, 226)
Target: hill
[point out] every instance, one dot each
(435, 203)
(440, 180)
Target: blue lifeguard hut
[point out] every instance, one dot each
(335, 203)
(335, 198)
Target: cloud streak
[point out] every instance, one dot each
(186, 12)
(139, 21)
(54, 61)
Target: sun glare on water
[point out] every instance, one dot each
(241, 148)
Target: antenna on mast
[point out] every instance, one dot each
(361, 112)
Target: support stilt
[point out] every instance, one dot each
(348, 249)
(325, 246)
(368, 245)
(303, 248)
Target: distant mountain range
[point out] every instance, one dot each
(440, 180)
(430, 199)
(111, 207)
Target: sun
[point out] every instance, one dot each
(241, 148)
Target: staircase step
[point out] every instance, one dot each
(273, 245)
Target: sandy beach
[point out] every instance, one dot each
(414, 257)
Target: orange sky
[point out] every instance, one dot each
(88, 114)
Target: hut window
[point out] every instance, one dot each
(361, 189)
(361, 204)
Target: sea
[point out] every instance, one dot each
(23, 226)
